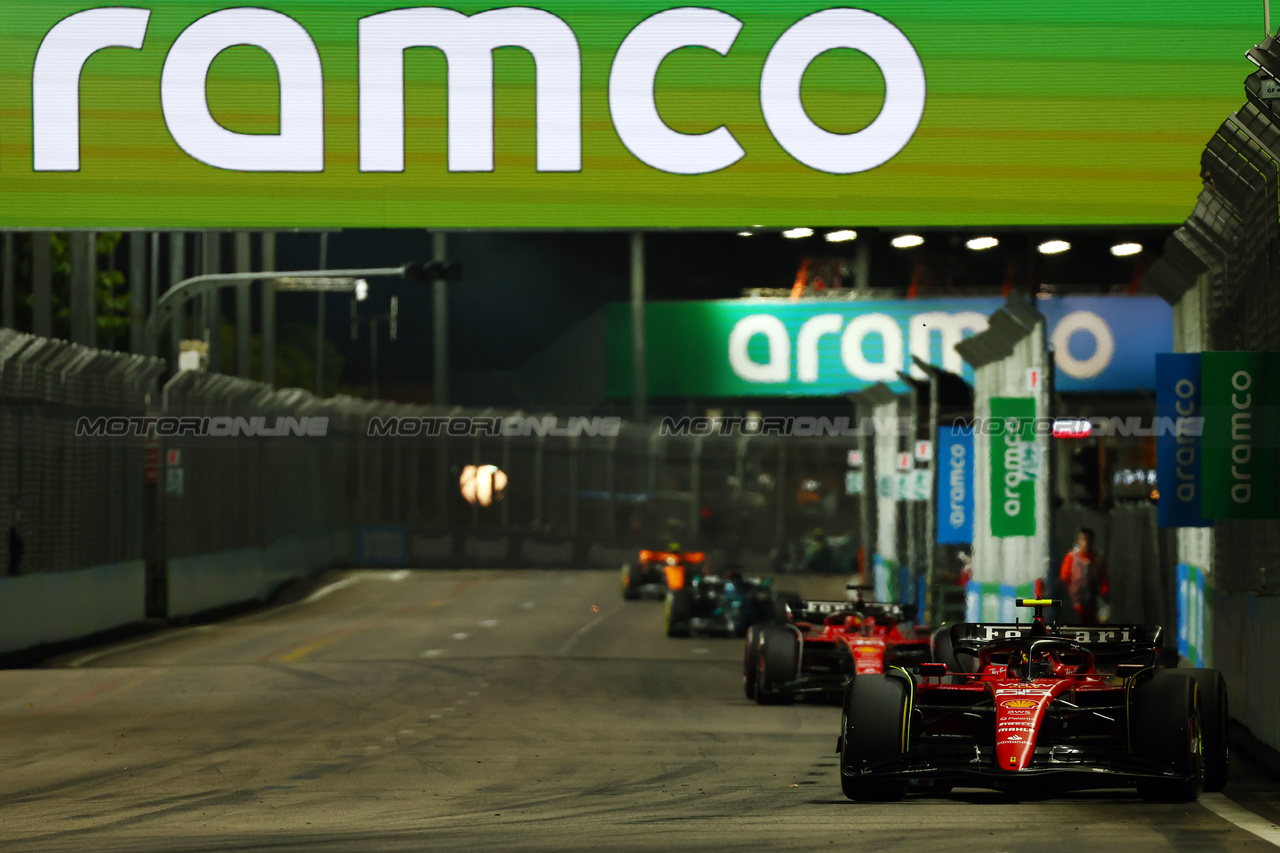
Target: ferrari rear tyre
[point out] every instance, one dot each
(751, 661)
(1165, 726)
(1214, 721)
(941, 650)
(871, 730)
(779, 663)
(780, 603)
(679, 612)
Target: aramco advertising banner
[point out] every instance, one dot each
(611, 113)
(1014, 467)
(1178, 451)
(785, 348)
(955, 485)
(1240, 462)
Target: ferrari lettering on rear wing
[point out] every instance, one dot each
(1089, 635)
(825, 608)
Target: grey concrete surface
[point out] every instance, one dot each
(463, 710)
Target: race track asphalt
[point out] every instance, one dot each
(494, 710)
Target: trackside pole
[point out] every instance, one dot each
(639, 379)
(324, 264)
(269, 309)
(440, 319)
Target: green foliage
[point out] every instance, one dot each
(295, 364)
(111, 295)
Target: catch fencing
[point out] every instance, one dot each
(72, 503)
(81, 501)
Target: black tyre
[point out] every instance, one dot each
(779, 663)
(941, 650)
(679, 611)
(1214, 722)
(780, 603)
(631, 583)
(751, 661)
(1165, 726)
(872, 729)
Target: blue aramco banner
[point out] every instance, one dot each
(955, 485)
(819, 347)
(1178, 451)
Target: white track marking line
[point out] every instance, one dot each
(702, 651)
(488, 623)
(360, 575)
(528, 605)
(406, 731)
(434, 717)
(128, 647)
(1229, 810)
(578, 634)
(461, 635)
(433, 653)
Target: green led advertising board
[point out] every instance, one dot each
(612, 113)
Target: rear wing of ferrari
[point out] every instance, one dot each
(816, 611)
(1109, 644)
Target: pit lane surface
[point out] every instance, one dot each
(441, 710)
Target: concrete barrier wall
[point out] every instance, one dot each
(209, 581)
(1245, 642)
(53, 607)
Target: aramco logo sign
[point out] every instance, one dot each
(468, 43)
(874, 346)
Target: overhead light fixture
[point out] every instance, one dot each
(797, 233)
(980, 243)
(841, 236)
(1123, 250)
(1053, 247)
(907, 241)
(746, 233)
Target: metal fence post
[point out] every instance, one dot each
(268, 347)
(244, 310)
(137, 290)
(42, 284)
(573, 486)
(10, 317)
(84, 285)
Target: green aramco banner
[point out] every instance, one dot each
(1240, 465)
(1013, 466)
(610, 113)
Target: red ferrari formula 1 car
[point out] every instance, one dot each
(1036, 709)
(824, 643)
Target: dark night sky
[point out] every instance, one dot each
(520, 291)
